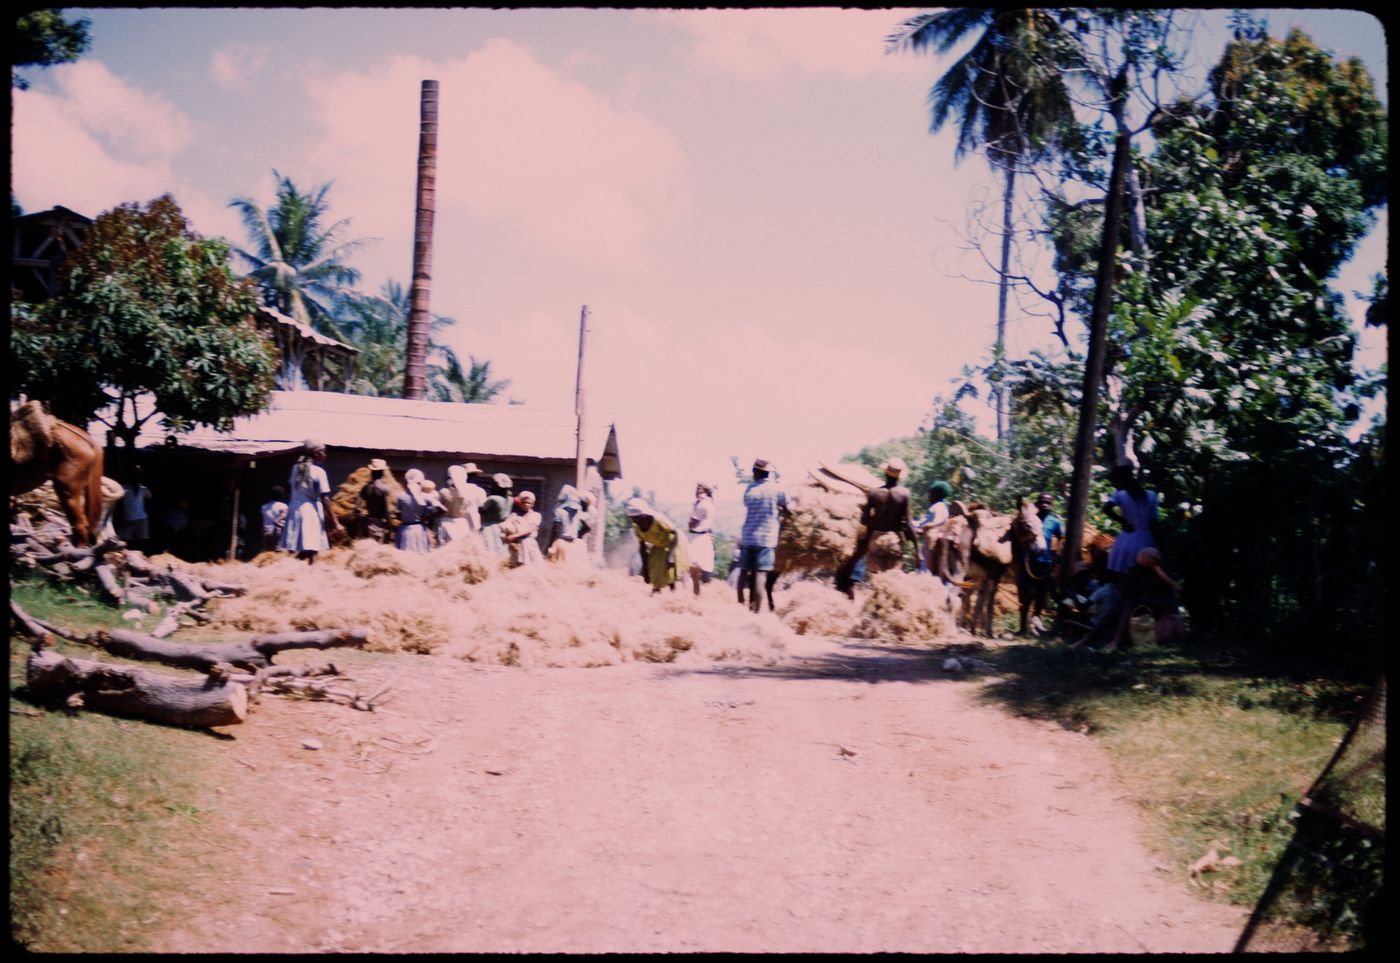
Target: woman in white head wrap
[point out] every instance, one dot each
(415, 509)
(458, 505)
(700, 535)
(566, 546)
(309, 512)
(664, 555)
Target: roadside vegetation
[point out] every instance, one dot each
(1214, 745)
(100, 807)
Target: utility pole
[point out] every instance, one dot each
(415, 369)
(578, 402)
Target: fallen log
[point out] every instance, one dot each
(194, 703)
(254, 653)
(107, 578)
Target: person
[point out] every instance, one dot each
(274, 518)
(1037, 579)
(435, 510)
(886, 509)
(460, 508)
(701, 535)
(1144, 584)
(475, 497)
(520, 531)
(664, 555)
(588, 527)
(935, 516)
(415, 510)
(376, 500)
(133, 512)
(495, 510)
(1135, 510)
(764, 503)
(569, 525)
(309, 514)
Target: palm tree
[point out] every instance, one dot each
(378, 326)
(299, 264)
(1011, 101)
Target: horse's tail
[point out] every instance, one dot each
(31, 432)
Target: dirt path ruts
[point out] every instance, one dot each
(848, 800)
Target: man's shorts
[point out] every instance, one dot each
(757, 558)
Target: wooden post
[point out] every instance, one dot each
(233, 526)
(578, 402)
(415, 378)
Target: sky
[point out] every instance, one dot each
(769, 241)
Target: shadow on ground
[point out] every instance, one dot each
(860, 660)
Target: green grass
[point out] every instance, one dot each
(97, 805)
(1215, 746)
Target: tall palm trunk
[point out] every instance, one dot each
(1003, 287)
(415, 369)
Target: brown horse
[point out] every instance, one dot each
(998, 543)
(42, 448)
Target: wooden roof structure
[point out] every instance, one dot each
(42, 241)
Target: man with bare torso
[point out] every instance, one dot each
(886, 509)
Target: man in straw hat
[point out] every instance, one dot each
(376, 501)
(764, 502)
(886, 509)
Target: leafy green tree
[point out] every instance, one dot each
(43, 38)
(145, 305)
(1232, 352)
(1011, 101)
(299, 263)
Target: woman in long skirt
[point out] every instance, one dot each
(309, 513)
(520, 531)
(415, 511)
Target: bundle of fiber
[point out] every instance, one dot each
(904, 606)
(822, 530)
(812, 607)
(346, 498)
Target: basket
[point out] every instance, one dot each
(1142, 626)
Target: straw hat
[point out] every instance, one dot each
(502, 480)
(636, 507)
(895, 468)
(378, 464)
(471, 469)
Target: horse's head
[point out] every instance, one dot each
(1026, 528)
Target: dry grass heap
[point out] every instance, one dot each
(343, 502)
(904, 606)
(460, 602)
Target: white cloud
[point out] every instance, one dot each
(518, 143)
(768, 43)
(233, 65)
(96, 141)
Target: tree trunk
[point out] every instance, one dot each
(1093, 367)
(415, 369)
(196, 703)
(253, 653)
(1003, 289)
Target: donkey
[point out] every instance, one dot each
(999, 542)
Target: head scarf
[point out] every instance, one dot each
(568, 497)
(941, 488)
(636, 507)
(413, 480)
(457, 476)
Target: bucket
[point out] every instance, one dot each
(1142, 627)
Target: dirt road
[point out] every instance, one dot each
(848, 799)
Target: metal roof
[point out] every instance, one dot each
(305, 330)
(390, 425)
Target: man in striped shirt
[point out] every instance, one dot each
(764, 501)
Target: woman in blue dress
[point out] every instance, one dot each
(1135, 509)
(309, 514)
